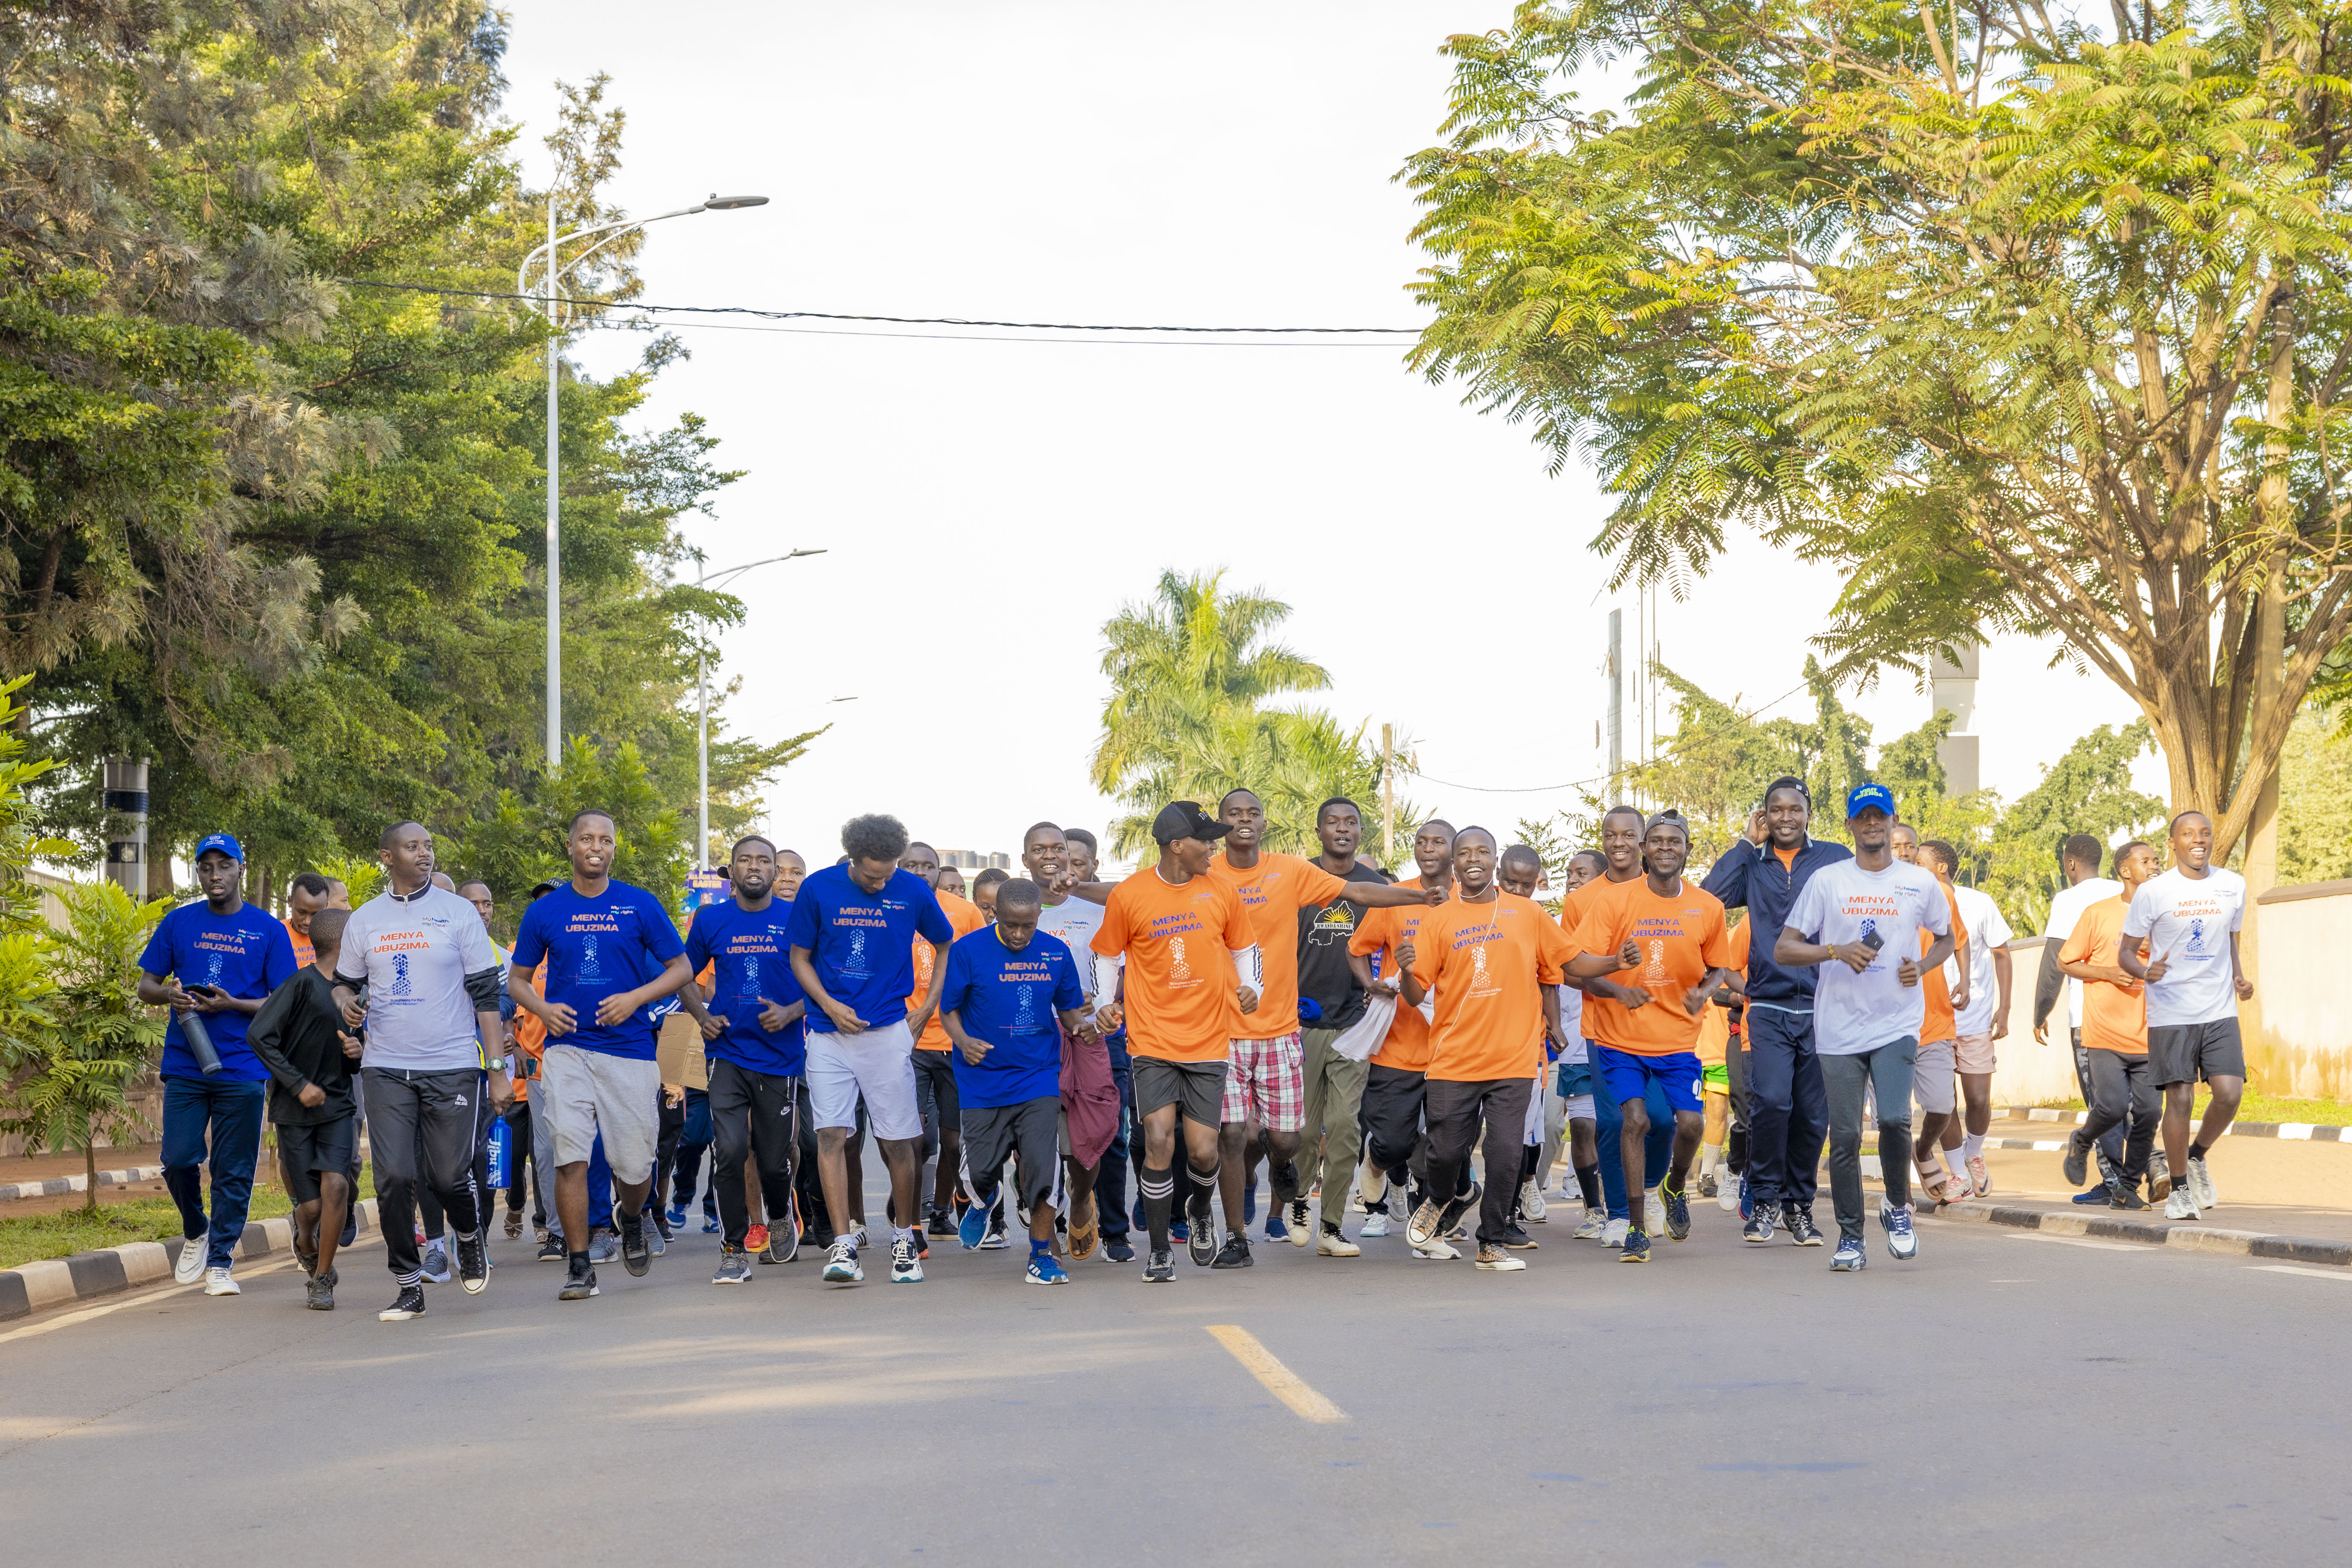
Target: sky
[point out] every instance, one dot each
(985, 506)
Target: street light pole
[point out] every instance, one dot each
(702, 690)
(554, 495)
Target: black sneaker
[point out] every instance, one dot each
(320, 1296)
(1516, 1238)
(2077, 1164)
(1450, 1215)
(1284, 1179)
(579, 1283)
(410, 1303)
(1119, 1252)
(551, 1250)
(2120, 1196)
(1160, 1270)
(661, 1223)
(1234, 1254)
(939, 1223)
(473, 1264)
(636, 1256)
(1200, 1237)
(784, 1244)
(1800, 1227)
(308, 1260)
(1758, 1227)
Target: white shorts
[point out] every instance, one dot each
(1931, 1077)
(582, 1094)
(878, 1064)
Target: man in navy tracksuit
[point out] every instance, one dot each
(1788, 1108)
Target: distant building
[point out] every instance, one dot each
(1953, 689)
(976, 860)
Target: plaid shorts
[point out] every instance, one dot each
(1266, 1083)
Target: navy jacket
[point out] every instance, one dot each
(1754, 880)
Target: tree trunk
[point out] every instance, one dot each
(89, 1169)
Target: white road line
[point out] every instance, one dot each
(2087, 1241)
(2340, 1274)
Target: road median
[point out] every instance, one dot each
(52, 1282)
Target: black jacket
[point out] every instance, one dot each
(298, 1035)
(1754, 880)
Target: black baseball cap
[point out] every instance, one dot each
(1185, 819)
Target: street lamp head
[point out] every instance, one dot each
(729, 204)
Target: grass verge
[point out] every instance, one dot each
(2266, 1108)
(64, 1234)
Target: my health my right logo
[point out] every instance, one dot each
(855, 962)
(748, 987)
(591, 966)
(399, 986)
(1179, 968)
(2197, 936)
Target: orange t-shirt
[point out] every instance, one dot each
(2115, 1018)
(1383, 931)
(964, 916)
(1681, 936)
(305, 955)
(1740, 936)
(1179, 942)
(1940, 1024)
(1488, 963)
(531, 1040)
(1272, 893)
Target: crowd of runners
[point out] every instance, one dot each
(1419, 1055)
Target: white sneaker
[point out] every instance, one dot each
(1656, 1210)
(2200, 1184)
(1595, 1221)
(1613, 1232)
(1375, 1224)
(1329, 1243)
(189, 1267)
(221, 1282)
(1436, 1249)
(2181, 1205)
(1372, 1185)
(1727, 1190)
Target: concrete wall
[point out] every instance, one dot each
(2299, 1026)
(2025, 1073)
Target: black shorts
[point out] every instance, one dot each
(935, 1075)
(2184, 1053)
(1196, 1089)
(304, 1150)
(995, 1133)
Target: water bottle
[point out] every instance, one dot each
(200, 1043)
(501, 1145)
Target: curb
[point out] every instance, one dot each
(58, 1187)
(2298, 1132)
(2195, 1239)
(48, 1282)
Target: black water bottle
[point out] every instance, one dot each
(200, 1043)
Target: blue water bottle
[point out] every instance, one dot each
(501, 1145)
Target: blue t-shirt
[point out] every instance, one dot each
(596, 948)
(862, 945)
(754, 965)
(247, 954)
(1007, 1000)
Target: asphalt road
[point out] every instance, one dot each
(2006, 1398)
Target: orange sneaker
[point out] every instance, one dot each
(756, 1239)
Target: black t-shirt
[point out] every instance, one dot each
(1323, 972)
(298, 1035)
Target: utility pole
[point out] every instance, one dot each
(1388, 797)
(126, 801)
(1616, 701)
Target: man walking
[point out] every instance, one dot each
(1396, 1079)
(2115, 1034)
(1327, 983)
(2078, 863)
(299, 1035)
(1984, 1022)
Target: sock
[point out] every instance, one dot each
(1158, 1189)
(1040, 1248)
(901, 1233)
(579, 1261)
(1205, 1188)
(1971, 1147)
(1710, 1156)
(2197, 1151)
(1587, 1183)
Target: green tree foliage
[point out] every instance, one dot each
(2087, 790)
(1191, 669)
(521, 844)
(19, 846)
(2028, 323)
(2314, 804)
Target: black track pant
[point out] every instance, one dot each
(424, 1132)
(756, 1116)
(1454, 1110)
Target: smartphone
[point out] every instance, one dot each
(202, 990)
(1873, 940)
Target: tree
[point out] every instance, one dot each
(522, 843)
(2314, 804)
(2087, 790)
(2027, 329)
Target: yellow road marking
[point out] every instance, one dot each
(1280, 1381)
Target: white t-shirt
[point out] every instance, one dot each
(2065, 913)
(2187, 923)
(1074, 920)
(414, 955)
(1840, 903)
(1987, 930)
(1571, 1018)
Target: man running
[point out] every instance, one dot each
(431, 1010)
(305, 897)
(935, 1077)
(1181, 933)
(215, 963)
(2078, 863)
(1491, 960)
(1984, 1018)
(1620, 850)
(299, 1035)
(1396, 1079)
(1869, 1007)
(1076, 921)
(1006, 987)
(611, 951)
(1575, 1085)
(1787, 1106)
(755, 1036)
(1326, 982)
(853, 930)
(2190, 917)
(1934, 1071)
(2115, 1034)
(1521, 872)
(1646, 1032)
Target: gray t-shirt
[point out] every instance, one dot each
(415, 954)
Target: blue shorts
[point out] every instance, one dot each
(1575, 1078)
(1630, 1075)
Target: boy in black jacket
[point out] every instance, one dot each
(300, 1036)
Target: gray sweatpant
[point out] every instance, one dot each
(1886, 1072)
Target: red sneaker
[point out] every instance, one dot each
(756, 1239)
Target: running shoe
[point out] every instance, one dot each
(1276, 1229)
(2095, 1193)
(1249, 1202)
(2181, 1205)
(906, 1264)
(1747, 1199)
(734, 1268)
(940, 1223)
(1334, 1243)
(756, 1239)
(1677, 1205)
(1517, 1239)
(309, 1259)
(1980, 1178)
(1902, 1242)
(2120, 1196)
(1498, 1262)
(1119, 1251)
(1706, 1184)
(637, 1256)
(1372, 1186)
(1531, 1200)
(551, 1250)
(1731, 1192)
(2200, 1183)
(514, 1225)
(710, 1225)
(1613, 1232)
(1654, 1210)
(221, 1282)
(1591, 1226)
(863, 1241)
(1044, 1271)
(1376, 1223)
(841, 1264)
(1800, 1227)
(409, 1303)
(1852, 1256)
(994, 1240)
(578, 1284)
(678, 1219)
(1450, 1219)
(1200, 1237)
(1424, 1228)
(1234, 1253)
(784, 1244)
(1758, 1228)
(661, 1229)
(1300, 1225)
(1177, 1230)
(1436, 1251)
(972, 1229)
(2077, 1164)
(1137, 1219)
(1161, 1269)
(435, 1269)
(604, 1247)
(2159, 1176)
(319, 1295)
(474, 1263)
(1636, 1247)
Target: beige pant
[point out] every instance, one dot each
(1335, 1093)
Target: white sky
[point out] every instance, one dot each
(986, 506)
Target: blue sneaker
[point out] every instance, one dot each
(1852, 1256)
(1177, 1230)
(678, 1219)
(972, 1229)
(1747, 1208)
(710, 1221)
(1276, 1230)
(1046, 1269)
(1249, 1202)
(1138, 1219)
(1901, 1243)
(1677, 1204)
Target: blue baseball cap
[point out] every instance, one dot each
(1863, 795)
(227, 844)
